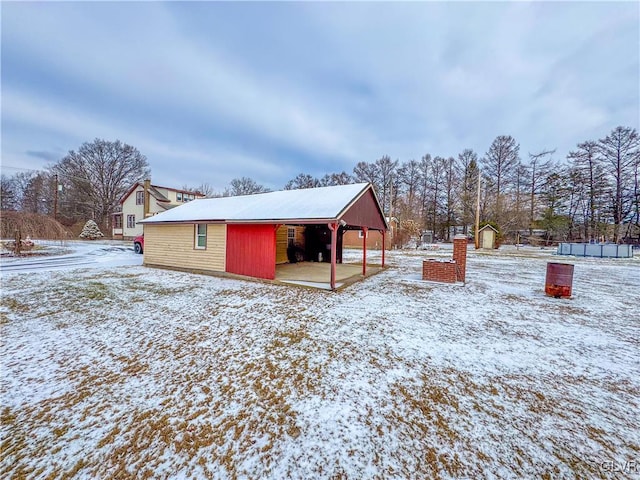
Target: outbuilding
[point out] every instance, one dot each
(250, 235)
(487, 237)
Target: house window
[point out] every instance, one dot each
(291, 235)
(201, 236)
(179, 196)
(117, 221)
(131, 221)
(140, 198)
(360, 234)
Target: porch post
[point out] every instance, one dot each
(364, 251)
(384, 235)
(334, 240)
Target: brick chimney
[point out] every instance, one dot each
(460, 256)
(147, 197)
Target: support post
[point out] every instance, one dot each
(384, 235)
(365, 231)
(334, 240)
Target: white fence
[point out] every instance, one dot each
(608, 250)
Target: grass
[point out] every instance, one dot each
(128, 374)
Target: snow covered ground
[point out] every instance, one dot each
(127, 371)
(62, 255)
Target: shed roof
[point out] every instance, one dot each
(486, 227)
(308, 204)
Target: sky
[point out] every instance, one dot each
(211, 91)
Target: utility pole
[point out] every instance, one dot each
(391, 204)
(55, 197)
(476, 237)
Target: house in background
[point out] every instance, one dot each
(374, 240)
(250, 235)
(144, 200)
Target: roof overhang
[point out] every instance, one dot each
(359, 207)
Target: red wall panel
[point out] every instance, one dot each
(365, 212)
(251, 250)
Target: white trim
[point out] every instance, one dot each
(198, 235)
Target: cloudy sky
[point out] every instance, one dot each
(213, 91)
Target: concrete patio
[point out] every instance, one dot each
(315, 274)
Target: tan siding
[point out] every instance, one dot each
(281, 242)
(374, 240)
(129, 207)
(172, 246)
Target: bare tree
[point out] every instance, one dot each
(500, 163)
(386, 170)
(409, 179)
(468, 166)
(424, 169)
(366, 172)
(585, 160)
(203, 189)
(435, 180)
(450, 181)
(8, 194)
(555, 193)
(342, 178)
(576, 204)
(244, 186)
(99, 173)
(302, 180)
(540, 165)
(36, 194)
(634, 224)
(516, 220)
(619, 152)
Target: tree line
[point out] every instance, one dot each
(89, 184)
(592, 194)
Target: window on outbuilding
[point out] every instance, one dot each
(291, 235)
(201, 236)
(360, 234)
(117, 221)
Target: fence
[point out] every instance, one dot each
(602, 250)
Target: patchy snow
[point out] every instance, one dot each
(114, 372)
(306, 203)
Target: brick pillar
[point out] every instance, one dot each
(460, 256)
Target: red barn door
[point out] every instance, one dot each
(251, 250)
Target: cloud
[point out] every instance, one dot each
(212, 91)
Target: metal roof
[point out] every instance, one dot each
(323, 203)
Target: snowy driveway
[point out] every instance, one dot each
(75, 254)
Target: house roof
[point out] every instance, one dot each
(307, 205)
(157, 195)
(153, 191)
